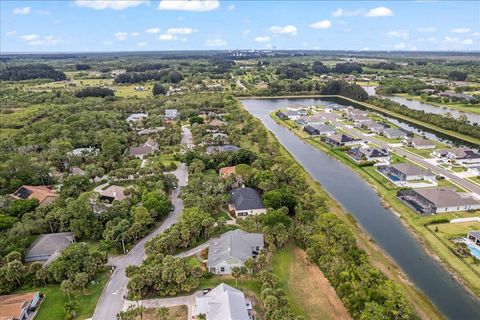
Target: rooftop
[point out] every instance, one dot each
(47, 245)
(115, 192)
(11, 305)
(419, 141)
(342, 138)
(246, 199)
(235, 244)
(226, 171)
(223, 303)
(40, 193)
(443, 197)
(411, 170)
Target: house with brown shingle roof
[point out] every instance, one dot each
(113, 193)
(226, 171)
(43, 194)
(18, 306)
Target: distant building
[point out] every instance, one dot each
(113, 193)
(18, 306)
(145, 149)
(225, 172)
(394, 133)
(43, 194)
(437, 200)
(84, 152)
(282, 115)
(224, 148)
(223, 303)
(460, 96)
(246, 202)
(342, 140)
(171, 114)
(419, 143)
(47, 247)
(232, 249)
(150, 131)
(135, 117)
(405, 172)
(373, 126)
(320, 129)
(369, 154)
(474, 236)
(293, 115)
(460, 155)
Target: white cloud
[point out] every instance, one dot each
(142, 44)
(121, 36)
(289, 29)
(30, 37)
(261, 39)
(231, 7)
(135, 34)
(24, 10)
(365, 49)
(43, 12)
(461, 30)
(11, 33)
(181, 31)
(56, 21)
(451, 39)
(188, 5)
(153, 30)
(400, 45)
(476, 34)
(167, 37)
(432, 39)
(467, 41)
(346, 13)
(216, 43)
(398, 34)
(426, 29)
(245, 32)
(109, 4)
(323, 24)
(36, 40)
(379, 12)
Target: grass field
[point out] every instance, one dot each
(415, 221)
(174, 313)
(52, 305)
(465, 107)
(309, 292)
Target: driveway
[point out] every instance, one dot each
(112, 299)
(189, 301)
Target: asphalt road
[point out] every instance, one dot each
(112, 299)
(464, 183)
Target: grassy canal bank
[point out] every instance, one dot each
(423, 227)
(378, 258)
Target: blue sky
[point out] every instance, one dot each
(132, 25)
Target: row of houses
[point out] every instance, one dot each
(463, 156)
(169, 114)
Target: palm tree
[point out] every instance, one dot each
(106, 246)
(162, 313)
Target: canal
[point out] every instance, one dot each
(361, 200)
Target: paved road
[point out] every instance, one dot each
(187, 139)
(466, 184)
(189, 301)
(111, 301)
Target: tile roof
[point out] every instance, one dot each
(11, 305)
(41, 193)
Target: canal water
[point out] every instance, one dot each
(427, 107)
(361, 200)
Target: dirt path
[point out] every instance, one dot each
(318, 296)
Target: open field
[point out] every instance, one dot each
(412, 219)
(52, 305)
(309, 292)
(464, 107)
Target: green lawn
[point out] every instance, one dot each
(467, 107)
(52, 305)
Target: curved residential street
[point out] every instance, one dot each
(112, 299)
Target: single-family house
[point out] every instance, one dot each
(150, 131)
(369, 154)
(83, 152)
(113, 193)
(475, 170)
(319, 129)
(171, 114)
(394, 133)
(342, 140)
(358, 119)
(135, 117)
(405, 172)
(231, 249)
(460, 155)
(419, 143)
(437, 200)
(18, 306)
(459, 96)
(43, 194)
(293, 115)
(223, 303)
(47, 247)
(352, 112)
(225, 172)
(315, 118)
(282, 115)
(224, 148)
(474, 236)
(372, 126)
(246, 202)
(140, 152)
